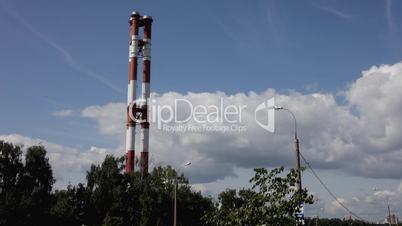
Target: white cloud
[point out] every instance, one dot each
(68, 164)
(63, 113)
(361, 136)
(372, 206)
(199, 188)
(335, 207)
(365, 130)
(110, 117)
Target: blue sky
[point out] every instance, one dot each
(73, 54)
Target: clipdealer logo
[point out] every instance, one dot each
(268, 107)
(184, 116)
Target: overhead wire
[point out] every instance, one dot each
(329, 191)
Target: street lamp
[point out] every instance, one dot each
(297, 149)
(389, 209)
(176, 184)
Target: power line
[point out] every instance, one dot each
(329, 191)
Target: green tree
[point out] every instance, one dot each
(112, 197)
(11, 174)
(271, 201)
(25, 189)
(70, 206)
(37, 186)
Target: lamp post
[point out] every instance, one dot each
(389, 209)
(297, 150)
(176, 184)
(318, 212)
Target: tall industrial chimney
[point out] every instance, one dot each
(146, 80)
(137, 111)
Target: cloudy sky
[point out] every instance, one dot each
(336, 64)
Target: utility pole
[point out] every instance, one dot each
(176, 185)
(389, 214)
(298, 165)
(389, 208)
(175, 201)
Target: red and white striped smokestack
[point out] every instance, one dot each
(132, 89)
(146, 79)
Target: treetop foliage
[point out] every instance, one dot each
(110, 197)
